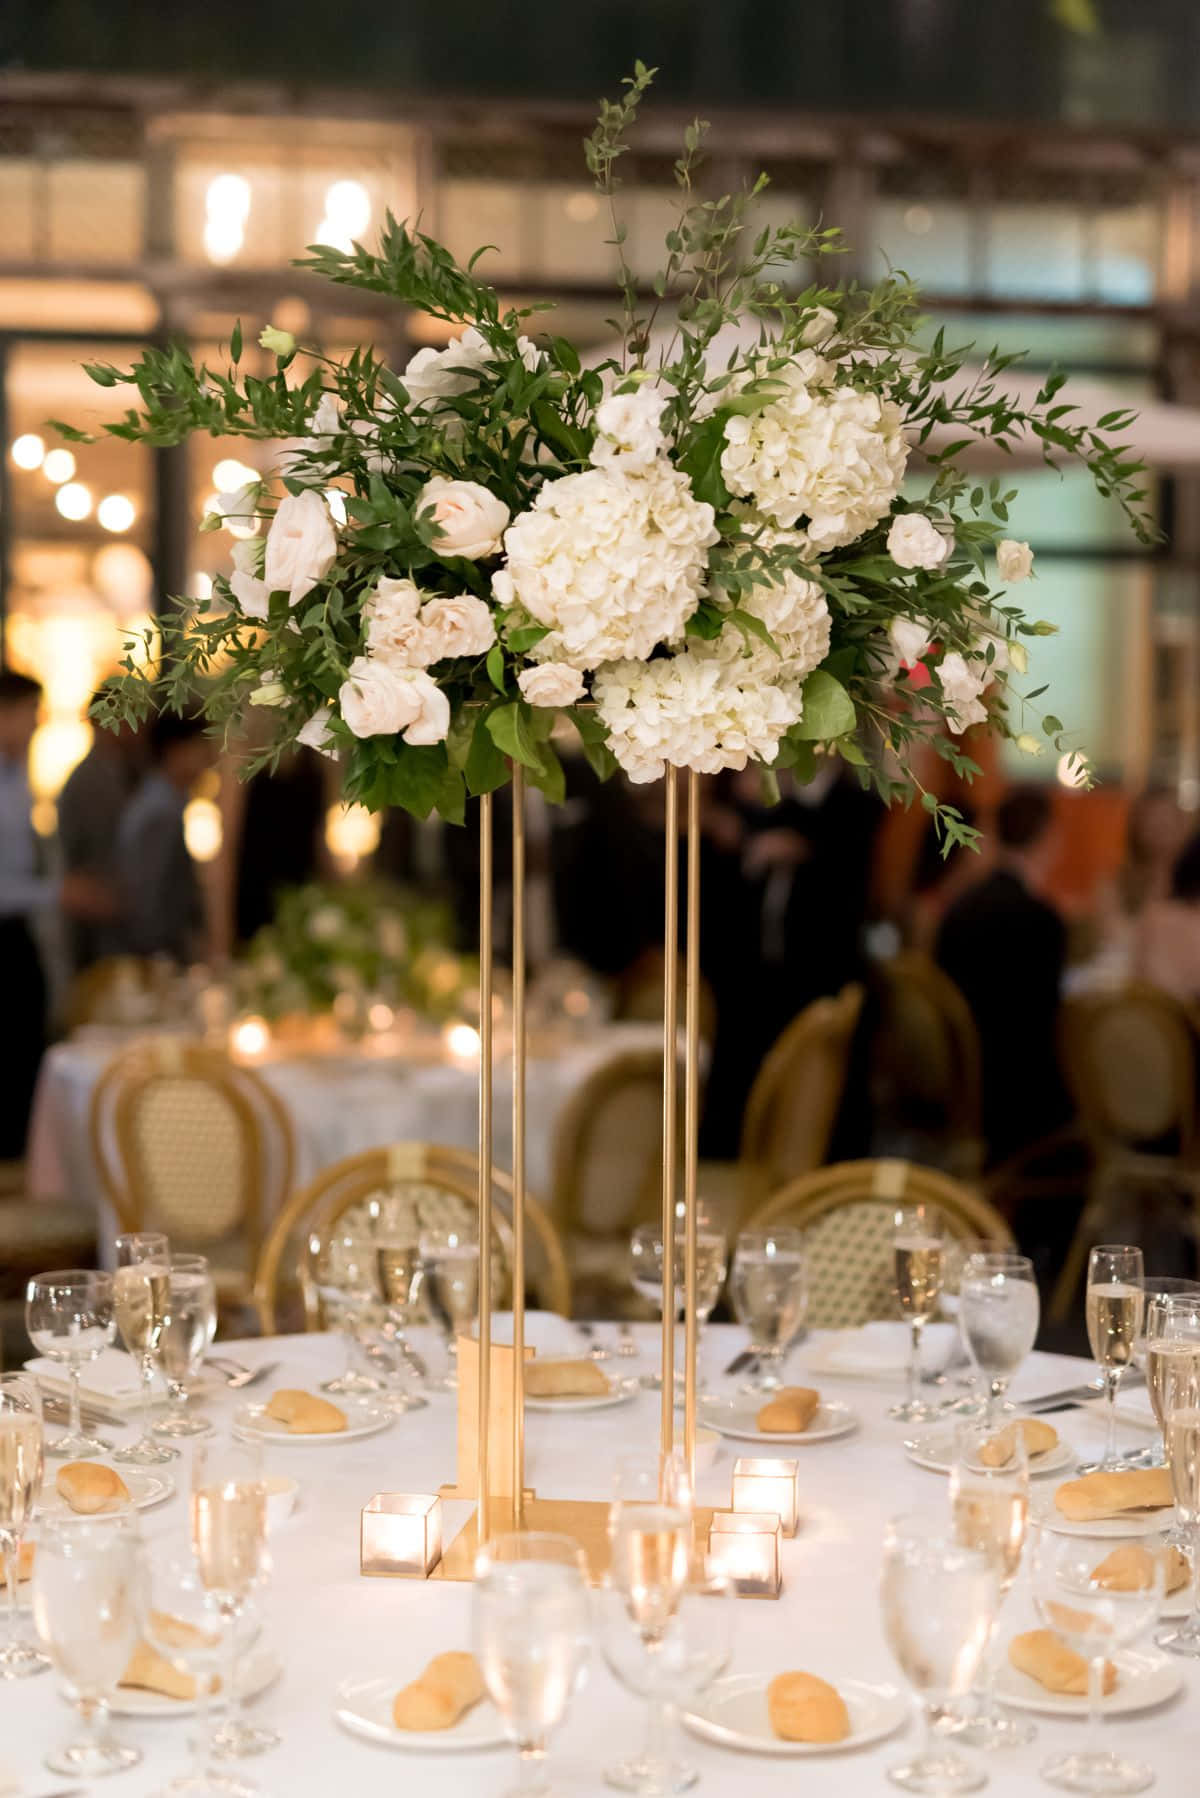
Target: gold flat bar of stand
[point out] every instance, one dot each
(485, 1158)
(670, 1098)
(518, 1149)
(584, 1520)
(691, 1125)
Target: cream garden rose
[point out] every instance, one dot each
(472, 520)
(914, 541)
(252, 595)
(378, 700)
(301, 545)
(1014, 559)
(455, 627)
(962, 690)
(551, 683)
(391, 612)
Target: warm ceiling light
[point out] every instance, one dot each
(582, 208)
(28, 450)
(348, 207)
(202, 829)
(74, 500)
(58, 466)
(115, 512)
(230, 474)
(228, 197)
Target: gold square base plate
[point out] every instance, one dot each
(584, 1520)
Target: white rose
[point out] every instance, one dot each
(961, 690)
(391, 612)
(914, 541)
(1014, 560)
(239, 509)
(301, 545)
(315, 733)
(552, 683)
(910, 639)
(378, 700)
(325, 421)
(252, 595)
(472, 519)
(628, 431)
(455, 627)
(820, 325)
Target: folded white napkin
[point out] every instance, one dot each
(111, 1379)
(545, 1331)
(883, 1348)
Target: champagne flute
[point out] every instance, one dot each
(398, 1276)
(344, 1274)
(530, 1619)
(989, 1511)
(1115, 1303)
(1096, 1621)
(69, 1318)
(450, 1281)
(229, 1532)
(89, 1601)
(998, 1316)
(770, 1296)
(917, 1273)
(1183, 1458)
(187, 1333)
(939, 1600)
(1170, 1353)
(140, 1290)
(184, 1626)
(646, 1274)
(21, 1466)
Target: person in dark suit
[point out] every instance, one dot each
(1005, 948)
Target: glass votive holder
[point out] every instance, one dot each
(744, 1546)
(401, 1535)
(768, 1485)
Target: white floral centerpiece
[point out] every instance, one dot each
(700, 558)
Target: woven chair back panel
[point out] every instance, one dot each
(850, 1266)
(406, 1208)
(619, 1157)
(1134, 1062)
(193, 1162)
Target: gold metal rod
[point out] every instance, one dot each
(486, 896)
(670, 1100)
(691, 1125)
(518, 1141)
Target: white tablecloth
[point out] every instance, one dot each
(338, 1106)
(330, 1624)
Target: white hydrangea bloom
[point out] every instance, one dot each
(613, 564)
(628, 429)
(688, 711)
(796, 614)
(832, 456)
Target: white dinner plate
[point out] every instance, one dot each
(733, 1713)
(364, 1707)
(878, 1352)
(255, 1673)
(738, 1417)
(1043, 1510)
(622, 1391)
(251, 1423)
(935, 1450)
(145, 1489)
(1143, 1679)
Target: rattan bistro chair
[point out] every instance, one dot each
(847, 1213)
(793, 1105)
(187, 1141)
(414, 1186)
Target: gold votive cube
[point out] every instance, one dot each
(744, 1546)
(766, 1485)
(401, 1535)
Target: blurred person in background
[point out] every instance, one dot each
(89, 818)
(281, 842)
(1166, 944)
(1005, 948)
(163, 910)
(1156, 833)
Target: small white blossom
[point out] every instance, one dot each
(914, 541)
(628, 429)
(962, 686)
(314, 734)
(1014, 560)
(280, 343)
(551, 684)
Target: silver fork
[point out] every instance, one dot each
(235, 1375)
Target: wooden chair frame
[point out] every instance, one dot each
(627, 1066)
(964, 1119)
(826, 1026)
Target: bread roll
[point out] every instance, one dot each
(446, 1691)
(1039, 1439)
(1099, 1495)
(803, 1708)
(150, 1671)
(566, 1379)
(24, 1566)
(305, 1414)
(89, 1486)
(1040, 1654)
(790, 1412)
(1130, 1568)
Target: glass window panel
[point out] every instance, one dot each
(230, 211)
(1127, 253)
(1073, 342)
(17, 209)
(1036, 250)
(570, 228)
(651, 212)
(471, 213)
(928, 238)
(95, 211)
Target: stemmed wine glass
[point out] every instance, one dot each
(989, 1511)
(998, 1316)
(398, 1275)
(647, 1258)
(343, 1268)
(140, 1293)
(1169, 1354)
(1115, 1304)
(917, 1272)
(674, 1664)
(1095, 1620)
(450, 1280)
(1182, 1436)
(89, 1602)
(183, 1625)
(939, 1599)
(229, 1532)
(69, 1318)
(770, 1296)
(187, 1334)
(530, 1628)
(21, 1465)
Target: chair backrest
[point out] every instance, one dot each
(847, 1213)
(1130, 1060)
(190, 1142)
(927, 1046)
(417, 1185)
(793, 1105)
(608, 1146)
(639, 996)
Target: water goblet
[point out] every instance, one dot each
(917, 1281)
(187, 1334)
(530, 1623)
(21, 1467)
(1115, 1308)
(449, 1260)
(183, 1624)
(989, 1511)
(1096, 1621)
(140, 1292)
(938, 1600)
(667, 1666)
(89, 1602)
(229, 1530)
(69, 1318)
(998, 1316)
(770, 1297)
(342, 1268)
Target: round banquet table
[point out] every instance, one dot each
(330, 1624)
